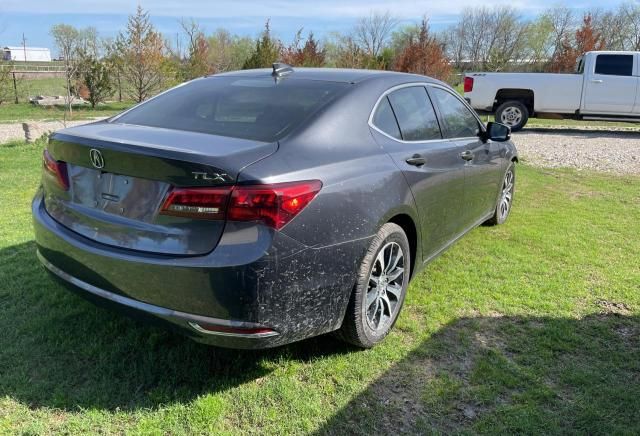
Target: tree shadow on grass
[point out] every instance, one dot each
(510, 375)
(57, 350)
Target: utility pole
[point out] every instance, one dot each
(24, 47)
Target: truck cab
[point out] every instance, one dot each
(605, 86)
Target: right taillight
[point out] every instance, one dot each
(273, 204)
(57, 169)
(468, 84)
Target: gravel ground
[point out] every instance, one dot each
(614, 152)
(13, 131)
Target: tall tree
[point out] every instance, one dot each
(143, 55)
(422, 54)
(266, 52)
(372, 32)
(67, 40)
(196, 64)
(586, 39)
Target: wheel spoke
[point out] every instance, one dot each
(371, 298)
(393, 275)
(394, 291)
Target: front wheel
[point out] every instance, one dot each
(513, 114)
(380, 289)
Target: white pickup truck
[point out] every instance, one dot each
(605, 86)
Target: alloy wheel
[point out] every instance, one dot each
(385, 287)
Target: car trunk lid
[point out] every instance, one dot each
(119, 175)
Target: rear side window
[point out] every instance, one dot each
(458, 120)
(254, 108)
(614, 65)
(415, 114)
(385, 120)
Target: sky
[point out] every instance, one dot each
(34, 18)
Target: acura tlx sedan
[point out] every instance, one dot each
(256, 208)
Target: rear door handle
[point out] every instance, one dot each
(596, 80)
(466, 155)
(416, 160)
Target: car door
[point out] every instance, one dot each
(483, 162)
(404, 122)
(610, 85)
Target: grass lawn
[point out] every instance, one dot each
(530, 327)
(15, 113)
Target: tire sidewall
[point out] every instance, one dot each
(389, 233)
(516, 104)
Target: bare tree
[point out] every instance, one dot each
(562, 28)
(373, 32)
(67, 40)
(629, 14)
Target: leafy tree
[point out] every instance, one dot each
(422, 54)
(228, 52)
(196, 64)
(586, 39)
(96, 76)
(143, 56)
(309, 55)
(266, 52)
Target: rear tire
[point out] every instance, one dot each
(513, 113)
(505, 200)
(380, 289)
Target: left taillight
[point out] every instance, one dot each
(273, 204)
(57, 169)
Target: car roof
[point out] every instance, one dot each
(345, 75)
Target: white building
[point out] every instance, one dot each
(22, 54)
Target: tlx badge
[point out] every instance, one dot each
(214, 177)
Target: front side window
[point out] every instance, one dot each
(458, 120)
(614, 65)
(415, 114)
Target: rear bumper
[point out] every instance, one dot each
(256, 278)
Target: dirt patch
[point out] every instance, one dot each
(611, 307)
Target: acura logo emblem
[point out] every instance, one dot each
(96, 158)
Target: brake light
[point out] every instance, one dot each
(468, 84)
(57, 169)
(274, 205)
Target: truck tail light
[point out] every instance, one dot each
(57, 169)
(468, 84)
(274, 204)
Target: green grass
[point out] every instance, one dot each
(15, 113)
(530, 327)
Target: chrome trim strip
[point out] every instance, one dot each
(198, 328)
(156, 310)
(423, 84)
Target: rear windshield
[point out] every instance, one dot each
(249, 108)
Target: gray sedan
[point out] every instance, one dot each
(256, 208)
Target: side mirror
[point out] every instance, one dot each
(497, 132)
